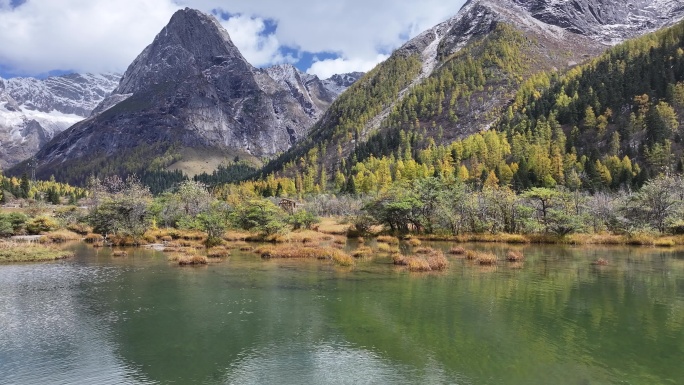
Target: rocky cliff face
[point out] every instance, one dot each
(608, 21)
(33, 111)
(193, 88)
(337, 84)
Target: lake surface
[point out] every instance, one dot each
(556, 319)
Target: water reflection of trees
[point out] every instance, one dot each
(556, 318)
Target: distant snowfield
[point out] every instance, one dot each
(12, 123)
(33, 111)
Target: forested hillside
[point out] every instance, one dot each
(615, 120)
(610, 123)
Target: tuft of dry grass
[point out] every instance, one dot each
(471, 255)
(415, 242)
(362, 252)
(384, 248)
(192, 260)
(275, 238)
(124, 241)
(399, 260)
(418, 264)
(332, 226)
(193, 244)
(486, 259)
(433, 260)
(188, 235)
(98, 245)
(388, 239)
(236, 236)
(79, 228)
(93, 238)
(292, 252)
(594, 239)
(341, 258)
(120, 253)
(308, 236)
(457, 251)
(515, 256)
(424, 250)
(437, 261)
(483, 238)
(665, 242)
(288, 251)
(158, 233)
(169, 234)
(218, 252)
(60, 236)
(149, 239)
(235, 245)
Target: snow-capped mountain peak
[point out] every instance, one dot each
(33, 111)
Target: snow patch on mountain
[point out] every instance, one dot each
(608, 21)
(339, 83)
(33, 111)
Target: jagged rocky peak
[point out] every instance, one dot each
(189, 44)
(339, 83)
(476, 19)
(327, 90)
(284, 72)
(191, 88)
(587, 25)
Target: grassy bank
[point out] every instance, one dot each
(573, 239)
(26, 252)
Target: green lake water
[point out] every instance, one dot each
(555, 319)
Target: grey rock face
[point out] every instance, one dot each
(33, 111)
(607, 20)
(191, 43)
(340, 82)
(76, 94)
(192, 87)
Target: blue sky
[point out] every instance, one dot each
(47, 37)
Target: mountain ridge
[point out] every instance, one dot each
(448, 82)
(33, 111)
(192, 88)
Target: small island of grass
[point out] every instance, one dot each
(27, 252)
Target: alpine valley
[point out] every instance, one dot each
(538, 92)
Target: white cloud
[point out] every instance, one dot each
(81, 35)
(356, 29)
(327, 68)
(103, 35)
(248, 35)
